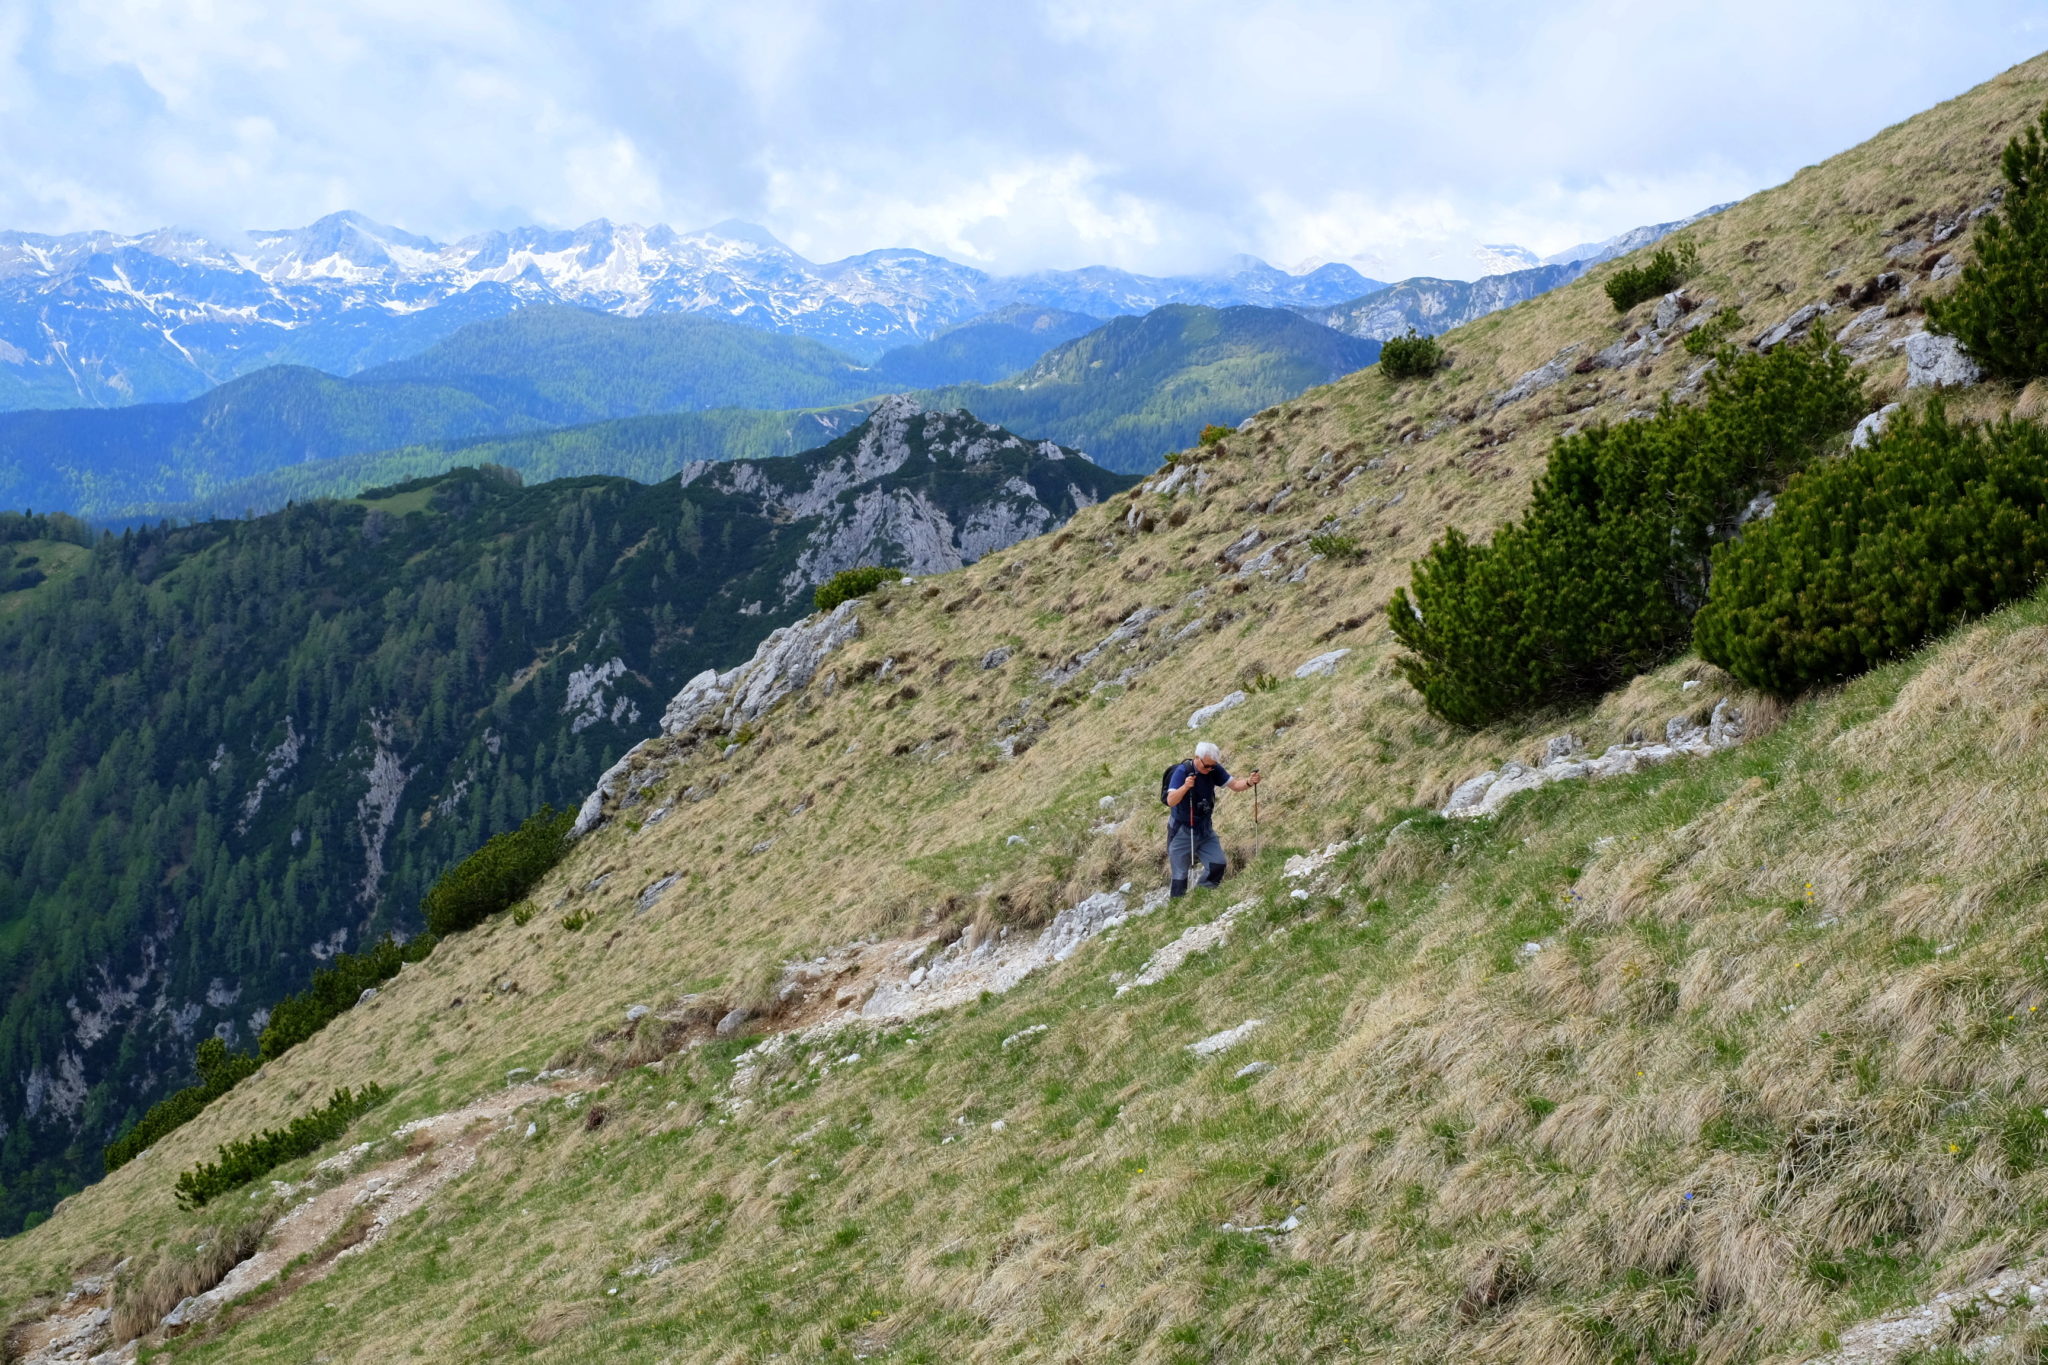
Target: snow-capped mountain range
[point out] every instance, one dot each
(98, 318)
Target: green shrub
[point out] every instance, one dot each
(1413, 356)
(848, 584)
(499, 874)
(219, 1070)
(245, 1159)
(1600, 578)
(1702, 339)
(1212, 434)
(1332, 545)
(1999, 308)
(335, 988)
(1662, 273)
(1870, 556)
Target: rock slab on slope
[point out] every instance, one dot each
(1938, 362)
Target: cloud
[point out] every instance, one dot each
(1155, 134)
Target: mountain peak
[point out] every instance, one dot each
(739, 230)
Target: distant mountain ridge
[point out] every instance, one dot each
(540, 368)
(102, 319)
(1430, 305)
(557, 392)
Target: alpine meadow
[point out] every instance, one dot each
(736, 875)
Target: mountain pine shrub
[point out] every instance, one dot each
(245, 1159)
(1870, 556)
(1413, 356)
(219, 1070)
(335, 988)
(1335, 545)
(497, 875)
(1706, 338)
(848, 584)
(1213, 434)
(1662, 273)
(1999, 308)
(1602, 575)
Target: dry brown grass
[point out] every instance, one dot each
(152, 1286)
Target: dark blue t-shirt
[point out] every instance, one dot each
(1202, 799)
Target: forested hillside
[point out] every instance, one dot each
(541, 368)
(1136, 388)
(985, 349)
(576, 365)
(241, 746)
(1125, 393)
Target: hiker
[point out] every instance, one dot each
(1189, 790)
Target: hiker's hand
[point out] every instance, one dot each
(1254, 779)
(1188, 785)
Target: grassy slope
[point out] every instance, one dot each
(1795, 979)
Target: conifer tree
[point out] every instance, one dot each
(1999, 309)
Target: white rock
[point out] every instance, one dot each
(1321, 664)
(1670, 309)
(1793, 326)
(1542, 377)
(1229, 1038)
(369, 994)
(1466, 796)
(1215, 709)
(1871, 427)
(998, 1126)
(1725, 728)
(635, 1013)
(1485, 794)
(1023, 1034)
(1253, 1069)
(1938, 362)
(1197, 939)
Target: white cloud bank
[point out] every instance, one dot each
(1153, 134)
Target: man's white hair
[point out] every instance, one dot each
(1209, 751)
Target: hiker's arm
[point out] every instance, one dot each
(1173, 797)
(1238, 784)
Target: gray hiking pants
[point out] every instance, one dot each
(1206, 847)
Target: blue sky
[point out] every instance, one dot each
(1012, 135)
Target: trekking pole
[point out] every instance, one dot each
(1258, 836)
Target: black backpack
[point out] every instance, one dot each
(1199, 803)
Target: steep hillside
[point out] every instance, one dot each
(874, 1044)
(1431, 306)
(272, 735)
